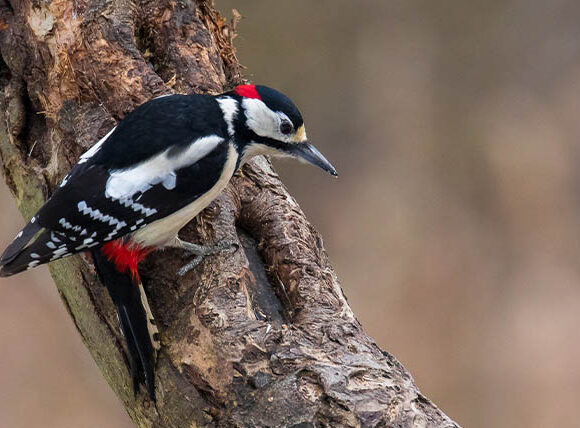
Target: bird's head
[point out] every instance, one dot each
(272, 124)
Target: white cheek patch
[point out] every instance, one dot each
(260, 118)
(159, 169)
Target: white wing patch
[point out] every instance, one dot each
(125, 183)
(92, 151)
(229, 108)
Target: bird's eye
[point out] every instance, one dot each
(286, 127)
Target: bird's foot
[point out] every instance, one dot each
(201, 251)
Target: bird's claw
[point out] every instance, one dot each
(201, 251)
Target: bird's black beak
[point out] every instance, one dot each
(310, 154)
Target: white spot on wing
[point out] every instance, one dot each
(143, 209)
(60, 252)
(110, 235)
(59, 256)
(65, 180)
(93, 150)
(170, 181)
(64, 223)
(97, 215)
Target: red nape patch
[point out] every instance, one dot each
(125, 257)
(247, 91)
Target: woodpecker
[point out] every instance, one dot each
(132, 192)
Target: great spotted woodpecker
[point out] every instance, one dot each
(133, 191)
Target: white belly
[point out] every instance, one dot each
(163, 232)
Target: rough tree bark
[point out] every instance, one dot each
(261, 337)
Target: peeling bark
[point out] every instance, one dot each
(260, 337)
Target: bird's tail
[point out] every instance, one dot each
(15, 258)
(34, 246)
(137, 323)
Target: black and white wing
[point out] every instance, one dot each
(140, 172)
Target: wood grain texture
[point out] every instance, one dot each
(262, 336)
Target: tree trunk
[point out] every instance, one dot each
(260, 337)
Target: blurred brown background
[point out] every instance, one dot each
(454, 225)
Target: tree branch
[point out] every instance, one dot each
(260, 337)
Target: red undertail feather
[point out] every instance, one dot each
(125, 257)
(247, 91)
